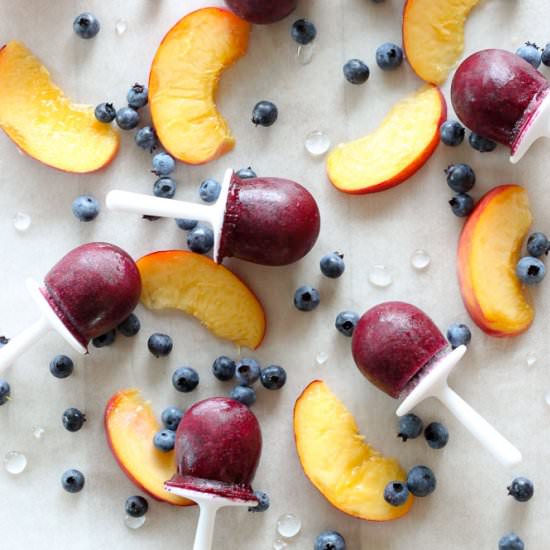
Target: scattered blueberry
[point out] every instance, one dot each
(389, 56)
(105, 112)
(459, 334)
(329, 540)
(130, 326)
(462, 205)
(171, 418)
(160, 345)
(263, 502)
(185, 379)
(306, 298)
(356, 72)
(127, 118)
(73, 481)
(209, 190)
(163, 164)
(410, 427)
(530, 271)
(146, 138)
(224, 368)
(510, 542)
(265, 113)
(164, 440)
(531, 53)
(85, 208)
(137, 96)
(452, 133)
(247, 371)
(186, 225)
(421, 481)
(3, 341)
(481, 144)
(436, 435)
(303, 31)
(332, 265)
(244, 394)
(104, 340)
(545, 57)
(538, 245)
(164, 187)
(136, 506)
(73, 419)
(521, 489)
(346, 322)
(460, 177)
(396, 493)
(5, 392)
(61, 366)
(200, 239)
(273, 377)
(246, 173)
(86, 25)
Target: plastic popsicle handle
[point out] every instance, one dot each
(538, 127)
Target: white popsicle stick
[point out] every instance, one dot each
(208, 508)
(142, 204)
(434, 384)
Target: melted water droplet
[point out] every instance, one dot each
(420, 259)
(304, 55)
(531, 358)
(279, 544)
(380, 276)
(21, 221)
(38, 432)
(135, 523)
(289, 525)
(321, 358)
(15, 462)
(317, 143)
(121, 26)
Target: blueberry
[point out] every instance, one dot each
(460, 177)
(330, 540)
(263, 502)
(332, 265)
(3, 341)
(545, 57)
(265, 113)
(356, 72)
(452, 133)
(5, 392)
(243, 394)
(421, 481)
(73, 419)
(410, 427)
(61, 366)
(185, 379)
(436, 435)
(481, 144)
(105, 112)
(389, 56)
(209, 190)
(247, 371)
(104, 340)
(396, 493)
(537, 245)
(510, 542)
(85, 208)
(186, 225)
(273, 377)
(530, 271)
(346, 322)
(200, 239)
(171, 418)
(160, 345)
(306, 298)
(127, 118)
(73, 481)
(137, 96)
(163, 164)
(130, 326)
(164, 187)
(146, 138)
(531, 53)
(136, 506)
(459, 334)
(224, 368)
(246, 173)
(86, 25)
(303, 31)
(521, 489)
(462, 205)
(164, 440)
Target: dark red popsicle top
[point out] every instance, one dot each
(495, 93)
(92, 289)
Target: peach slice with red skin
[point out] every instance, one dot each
(44, 123)
(198, 286)
(349, 473)
(399, 147)
(130, 425)
(183, 82)
(488, 251)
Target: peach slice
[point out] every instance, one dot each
(433, 36)
(209, 291)
(395, 151)
(349, 473)
(43, 122)
(130, 425)
(184, 79)
(488, 250)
